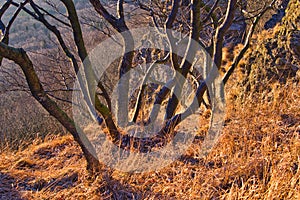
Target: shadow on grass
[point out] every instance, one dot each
(8, 188)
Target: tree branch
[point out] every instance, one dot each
(20, 57)
(53, 16)
(218, 45)
(211, 12)
(186, 64)
(103, 12)
(82, 52)
(143, 86)
(126, 61)
(174, 121)
(120, 9)
(5, 37)
(169, 34)
(246, 46)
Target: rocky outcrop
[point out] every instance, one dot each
(274, 56)
(294, 43)
(277, 17)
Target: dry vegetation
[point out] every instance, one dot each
(257, 156)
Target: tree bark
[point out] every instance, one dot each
(186, 66)
(20, 57)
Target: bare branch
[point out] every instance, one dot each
(126, 61)
(238, 58)
(5, 38)
(105, 95)
(11, 21)
(154, 20)
(55, 6)
(186, 65)
(77, 32)
(143, 86)
(88, 71)
(40, 17)
(170, 37)
(211, 11)
(90, 22)
(103, 12)
(172, 15)
(53, 16)
(81, 49)
(218, 45)
(174, 121)
(25, 10)
(61, 99)
(20, 57)
(4, 8)
(120, 9)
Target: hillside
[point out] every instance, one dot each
(256, 157)
(252, 160)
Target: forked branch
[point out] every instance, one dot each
(20, 57)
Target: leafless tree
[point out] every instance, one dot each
(202, 21)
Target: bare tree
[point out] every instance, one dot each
(195, 18)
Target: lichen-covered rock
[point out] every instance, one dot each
(294, 43)
(277, 17)
(273, 58)
(292, 18)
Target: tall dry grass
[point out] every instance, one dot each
(257, 157)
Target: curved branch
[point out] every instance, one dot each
(4, 8)
(211, 11)
(218, 45)
(143, 86)
(170, 37)
(174, 121)
(186, 65)
(5, 38)
(40, 17)
(120, 9)
(77, 32)
(53, 16)
(103, 12)
(239, 57)
(20, 57)
(82, 52)
(126, 61)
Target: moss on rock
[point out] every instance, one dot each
(273, 58)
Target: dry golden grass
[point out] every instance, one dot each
(257, 157)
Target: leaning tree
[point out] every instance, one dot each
(203, 23)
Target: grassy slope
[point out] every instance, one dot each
(257, 157)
